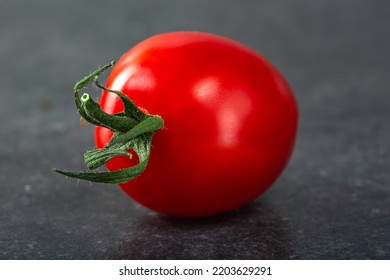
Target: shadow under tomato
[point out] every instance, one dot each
(255, 231)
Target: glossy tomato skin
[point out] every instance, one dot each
(230, 122)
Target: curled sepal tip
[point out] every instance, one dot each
(141, 147)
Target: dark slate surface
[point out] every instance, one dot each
(333, 200)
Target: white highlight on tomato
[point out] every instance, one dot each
(206, 91)
(210, 93)
(134, 77)
(230, 119)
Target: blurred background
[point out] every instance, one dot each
(332, 201)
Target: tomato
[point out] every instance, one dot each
(230, 122)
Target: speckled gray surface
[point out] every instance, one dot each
(333, 200)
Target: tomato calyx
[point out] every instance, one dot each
(133, 129)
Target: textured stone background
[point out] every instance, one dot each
(333, 200)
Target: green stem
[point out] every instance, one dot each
(133, 129)
(113, 122)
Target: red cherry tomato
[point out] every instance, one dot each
(230, 122)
